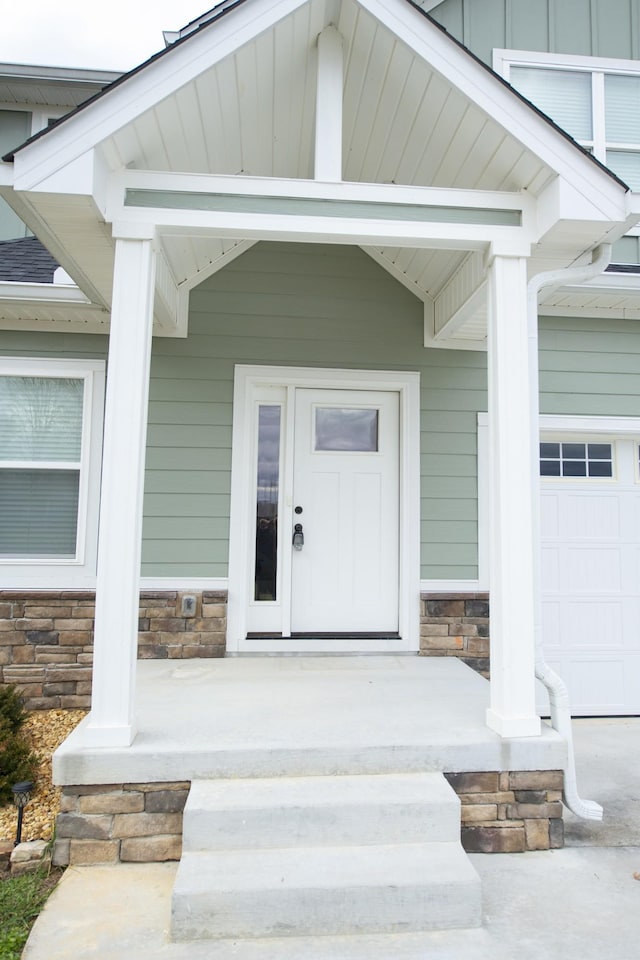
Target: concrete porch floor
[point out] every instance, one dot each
(297, 715)
(580, 903)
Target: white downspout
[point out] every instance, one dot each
(556, 688)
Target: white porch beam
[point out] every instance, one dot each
(111, 721)
(329, 89)
(317, 190)
(512, 711)
(256, 208)
(377, 233)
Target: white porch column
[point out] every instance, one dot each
(111, 722)
(329, 92)
(512, 580)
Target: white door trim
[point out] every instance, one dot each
(407, 385)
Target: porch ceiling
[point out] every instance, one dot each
(254, 114)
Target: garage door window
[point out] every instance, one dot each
(571, 459)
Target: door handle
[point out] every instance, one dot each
(298, 537)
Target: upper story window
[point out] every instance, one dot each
(50, 447)
(16, 126)
(596, 100)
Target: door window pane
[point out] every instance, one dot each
(349, 429)
(268, 491)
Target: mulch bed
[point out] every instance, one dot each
(45, 730)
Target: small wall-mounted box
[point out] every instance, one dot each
(188, 605)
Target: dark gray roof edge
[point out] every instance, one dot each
(228, 8)
(200, 21)
(122, 78)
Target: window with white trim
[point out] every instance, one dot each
(596, 100)
(50, 450)
(572, 458)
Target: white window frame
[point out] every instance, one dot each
(80, 570)
(504, 60)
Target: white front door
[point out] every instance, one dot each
(344, 576)
(338, 452)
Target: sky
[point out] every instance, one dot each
(116, 35)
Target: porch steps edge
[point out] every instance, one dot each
(320, 891)
(316, 810)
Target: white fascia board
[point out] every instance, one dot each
(59, 294)
(142, 90)
(606, 283)
(633, 204)
(594, 313)
(560, 200)
(6, 174)
(495, 98)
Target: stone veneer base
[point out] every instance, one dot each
(501, 812)
(46, 638)
(456, 625)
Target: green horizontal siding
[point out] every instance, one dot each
(587, 367)
(590, 367)
(599, 28)
(301, 305)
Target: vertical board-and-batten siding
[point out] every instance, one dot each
(331, 306)
(596, 28)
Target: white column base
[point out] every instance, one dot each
(108, 736)
(510, 726)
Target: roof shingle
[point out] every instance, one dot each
(26, 261)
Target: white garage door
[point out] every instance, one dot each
(591, 571)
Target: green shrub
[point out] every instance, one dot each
(17, 761)
(12, 707)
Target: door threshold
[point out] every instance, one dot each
(327, 635)
(326, 644)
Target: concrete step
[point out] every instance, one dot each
(312, 811)
(331, 891)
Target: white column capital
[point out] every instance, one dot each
(123, 230)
